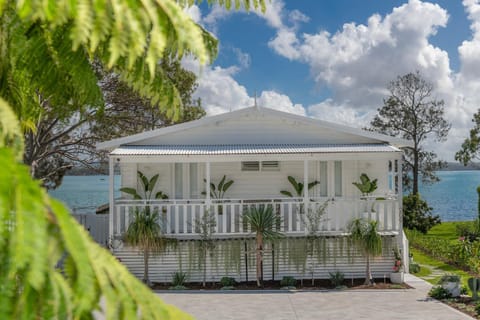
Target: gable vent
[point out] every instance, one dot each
(270, 166)
(250, 166)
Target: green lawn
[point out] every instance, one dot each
(445, 230)
(429, 264)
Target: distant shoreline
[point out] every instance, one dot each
(103, 169)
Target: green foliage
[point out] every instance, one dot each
(218, 192)
(265, 224)
(46, 54)
(336, 278)
(414, 267)
(477, 308)
(10, 134)
(439, 293)
(35, 232)
(205, 227)
(417, 214)
(474, 286)
(471, 146)
(228, 282)
(288, 281)
(468, 230)
(297, 187)
(411, 112)
(128, 113)
(145, 232)
(179, 278)
(314, 217)
(366, 186)
(461, 252)
(262, 220)
(449, 278)
(398, 263)
(366, 238)
(148, 185)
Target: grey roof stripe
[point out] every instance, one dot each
(250, 149)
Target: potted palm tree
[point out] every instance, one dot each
(218, 192)
(298, 188)
(366, 238)
(367, 187)
(264, 223)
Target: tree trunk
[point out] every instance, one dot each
(146, 279)
(368, 274)
(259, 257)
(415, 170)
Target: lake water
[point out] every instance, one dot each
(83, 194)
(453, 198)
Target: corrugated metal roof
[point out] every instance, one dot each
(250, 149)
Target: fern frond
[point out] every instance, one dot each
(10, 132)
(33, 230)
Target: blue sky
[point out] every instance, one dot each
(332, 59)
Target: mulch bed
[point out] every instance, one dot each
(319, 284)
(464, 304)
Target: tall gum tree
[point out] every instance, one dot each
(411, 112)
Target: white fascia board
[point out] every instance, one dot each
(261, 157)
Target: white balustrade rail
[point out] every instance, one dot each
(179, 217)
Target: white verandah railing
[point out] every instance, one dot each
(178, 217)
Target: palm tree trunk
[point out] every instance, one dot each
(145, 267)
(368, 274)
(204, 283)
(259, 257)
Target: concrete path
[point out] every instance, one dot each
(349, 304)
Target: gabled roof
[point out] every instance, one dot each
(252, 110)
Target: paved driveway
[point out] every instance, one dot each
(335, 305)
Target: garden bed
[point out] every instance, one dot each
(320, 284)
(464, 304)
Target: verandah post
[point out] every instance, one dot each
(111, 200)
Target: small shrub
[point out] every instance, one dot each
(449, 278)
(467, 230)
(228, 282)
(179, 279)
(288, 282)
(414, 267)
(477, 308)
(336, 278)
(439, 293)
(417, 214)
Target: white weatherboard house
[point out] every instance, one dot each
(258, 148)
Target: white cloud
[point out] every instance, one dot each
(357, 62)
(220, 92)
(329, 111)
(243, 58)
(278, 101)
